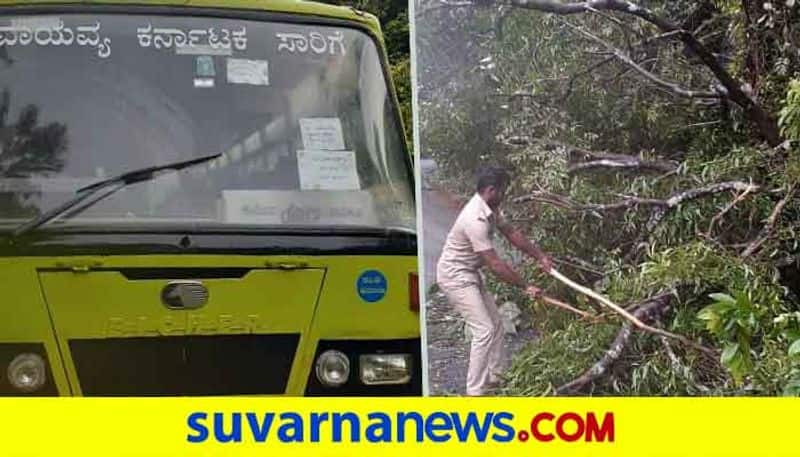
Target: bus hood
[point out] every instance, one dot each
(180, 330)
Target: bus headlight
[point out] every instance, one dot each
(27, 373)
(377, 369)
(333, 368)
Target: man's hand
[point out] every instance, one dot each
(546, 263)
(533, 291)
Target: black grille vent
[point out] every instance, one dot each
(185, 365)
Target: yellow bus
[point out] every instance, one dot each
(203, 198)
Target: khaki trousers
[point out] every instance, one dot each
(479, 310)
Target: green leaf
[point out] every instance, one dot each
(723, 298)
(742, 300)
(794, 349)
(723, 303)
(729, 353)
(708, 313)
(738, 365)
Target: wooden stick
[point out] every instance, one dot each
(630, 317)
(567, 307)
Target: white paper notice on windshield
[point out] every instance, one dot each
(322, 133)
(246, 71)
(327, 170)
(281, 207)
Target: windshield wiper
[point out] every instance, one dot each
(89, 195)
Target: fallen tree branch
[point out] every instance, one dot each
(660, 212)
(585, 159)
(566, 203)
(627, 315)
(765, 231)
(623, 162)
(661, 206)
(647, 309)
(692, 194)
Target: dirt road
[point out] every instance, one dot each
(447, 350)
(439, 211)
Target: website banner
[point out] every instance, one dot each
(572, 427)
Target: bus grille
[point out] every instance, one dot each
(184, 365)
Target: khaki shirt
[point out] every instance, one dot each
(471, 233)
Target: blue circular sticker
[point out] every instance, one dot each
(371, 286)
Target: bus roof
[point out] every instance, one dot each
(279, 6)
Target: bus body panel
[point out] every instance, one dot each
(85, 297)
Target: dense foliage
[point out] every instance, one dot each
(650, 156)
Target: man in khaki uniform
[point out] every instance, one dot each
(468, 248)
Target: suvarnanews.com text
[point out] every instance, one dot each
(399, 427)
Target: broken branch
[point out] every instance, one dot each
(615, 350)
(661, 206)
(623, 162)
(725, 210)
(627, 315)
(676, 199)
(763, 235)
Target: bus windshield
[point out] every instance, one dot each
(300, 115)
